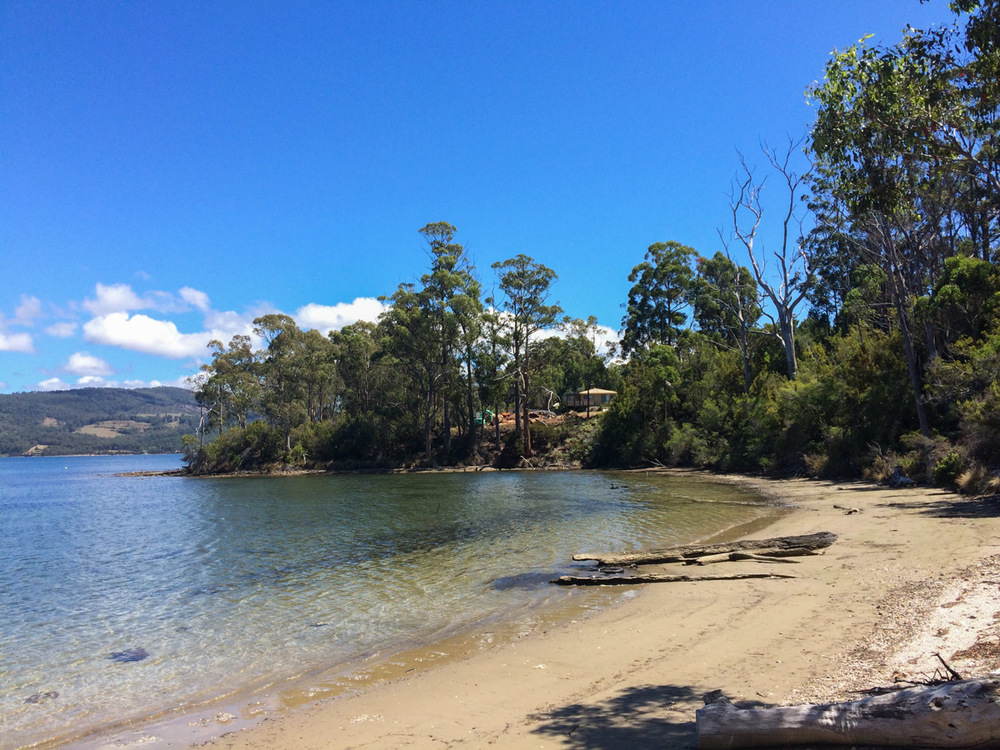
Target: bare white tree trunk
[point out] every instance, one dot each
(963, 714)
(788, 286)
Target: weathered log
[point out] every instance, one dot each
(739, 557)
(764, 555)
(628, 580)
(810, 542)
(962, 714)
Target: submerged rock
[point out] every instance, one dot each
(129, 654)
(48, 695)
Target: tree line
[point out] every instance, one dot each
(422, 384)
(865, 336)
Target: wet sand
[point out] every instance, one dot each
(914, 572)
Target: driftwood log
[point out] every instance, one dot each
(963, 714)
(604, 580)
(778, 546)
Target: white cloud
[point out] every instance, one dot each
(29, 309)
(229, 321)
(82, 363)
(195, 298)
(53, 384)
(61, 330)
(93, 381)
(327, 318)
(141, 333)
(114, 298)
(16, 342)
(606, 339)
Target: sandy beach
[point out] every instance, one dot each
(914, 573)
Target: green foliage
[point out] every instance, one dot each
(525, 286)
(947, 469)
(259, 447)
(662, 291)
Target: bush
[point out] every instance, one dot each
(946, 470)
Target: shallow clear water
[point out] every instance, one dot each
(220, 584)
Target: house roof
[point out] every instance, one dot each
(596, 392)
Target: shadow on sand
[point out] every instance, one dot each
(951, 506)
(649, 716)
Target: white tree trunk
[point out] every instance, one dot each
(963, 714)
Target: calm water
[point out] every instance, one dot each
(203, 587)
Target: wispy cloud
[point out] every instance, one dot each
(195, 298)
(25, 314)
(62, 330)
(114, 298)
(28, 311)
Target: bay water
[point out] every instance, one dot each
(124, 599)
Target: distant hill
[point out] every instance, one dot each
(96, 420)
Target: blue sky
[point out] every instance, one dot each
(169, 171)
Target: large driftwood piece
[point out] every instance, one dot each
(953, 715)
(627, 580)
(807, 542)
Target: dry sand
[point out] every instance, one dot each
(915, 572)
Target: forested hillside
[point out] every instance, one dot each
(863, 335)
(96, 420)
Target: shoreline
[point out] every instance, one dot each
(913, 573)
(633, 675)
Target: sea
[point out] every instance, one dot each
(166, 610)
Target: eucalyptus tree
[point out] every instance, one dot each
(490, 365)
(356, 348)
(413, 338)
(282, 371)
(659, 298)
(373, 400)
(450, 295)
(319, 374)
(229, 386)
(727, 306)
(889, 129)
(785, 274)
(525, 285)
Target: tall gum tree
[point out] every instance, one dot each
(451, 296)
(659, 298)
(727, 307)
(281, 365)
(906, 141)
(525, 285)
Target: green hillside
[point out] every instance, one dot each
(96, 420)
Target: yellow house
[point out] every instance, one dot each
(588, 399)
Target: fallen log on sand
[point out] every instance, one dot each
(627, 580)
(962, 714)
(789, 545)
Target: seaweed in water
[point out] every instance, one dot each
(129, 654)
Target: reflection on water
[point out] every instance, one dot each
(225, 583)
